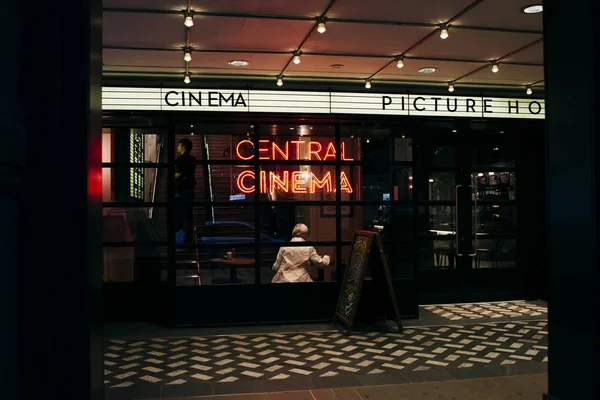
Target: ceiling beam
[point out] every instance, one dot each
(309, 18)
(512, 53)
(426, 38)
(316, 79)
(310, 32)
(273, 52)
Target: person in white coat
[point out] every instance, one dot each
(293, 264)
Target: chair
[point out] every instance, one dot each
(490, 251)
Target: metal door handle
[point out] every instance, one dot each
(456, 220)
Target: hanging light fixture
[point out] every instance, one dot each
(451, 87)
(279, 81)
(495, 67)
(187, 54)
(189, 20)
(368, 84)
(529, 90)
(400, 62)
(321, 26)
(296, 58)
(444, 31)
(186, 78)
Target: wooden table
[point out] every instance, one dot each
(234, 263)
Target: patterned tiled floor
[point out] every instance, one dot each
(275, 356)
(470, 311)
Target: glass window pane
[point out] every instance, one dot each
(225, 263)
(495, 155)
(436, 254)
(133, 264)
(496, 253)
(443, 156)
(133, 184)
(441, 186)
(496, 218)
(134, 224)
(495, 185)
(297, 263)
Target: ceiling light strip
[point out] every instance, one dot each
(308, 18)
(269, 78)
(521, 49)
(359, 55)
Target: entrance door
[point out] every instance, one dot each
(465, 185)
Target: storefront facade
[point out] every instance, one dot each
(454, 184)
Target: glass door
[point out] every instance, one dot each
(465, 186)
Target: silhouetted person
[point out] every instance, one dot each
(185, 183)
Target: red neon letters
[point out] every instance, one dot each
(290, 150)
(295, 182)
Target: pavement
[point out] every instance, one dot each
(464, 351)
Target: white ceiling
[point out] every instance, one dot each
(147, 37)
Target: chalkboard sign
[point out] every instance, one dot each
(361, 258)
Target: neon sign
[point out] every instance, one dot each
(290, 150)
(297, 182)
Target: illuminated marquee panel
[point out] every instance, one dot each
(227, 100)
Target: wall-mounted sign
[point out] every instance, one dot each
(277, 101)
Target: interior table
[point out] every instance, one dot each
(234, 263)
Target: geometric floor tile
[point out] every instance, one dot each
(470, 311)
(279, 356)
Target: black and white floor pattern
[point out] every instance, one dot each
(276, 356)
(503, 310)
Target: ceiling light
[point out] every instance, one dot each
(451, 87)
(529, 90)
(296, 59)
(321, 27)
(495, 67)
(336, 66)
(189, 20)
(279, 81)
(400, 62)
(444, 32)
(533, 9)
(187, 55)
(428, 70)
(368, 84)
(186, 78)
(238, 63)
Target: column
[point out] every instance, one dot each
(50, 200)
(571, 61)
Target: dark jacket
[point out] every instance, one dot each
(185, 164)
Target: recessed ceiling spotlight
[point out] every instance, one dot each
(532, 9)
(428, 70)
(238, 63)
(334, 66)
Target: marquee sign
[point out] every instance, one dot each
(278, 101)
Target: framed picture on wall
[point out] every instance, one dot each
(331, 210)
